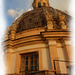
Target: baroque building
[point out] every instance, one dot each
(38, 42)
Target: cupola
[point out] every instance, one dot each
(40, 3)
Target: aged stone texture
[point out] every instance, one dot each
(42, 17)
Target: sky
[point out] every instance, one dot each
(15, 8)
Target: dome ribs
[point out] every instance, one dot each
(37, 18)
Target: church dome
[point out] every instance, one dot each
(40, 17)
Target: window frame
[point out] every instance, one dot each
(29, 62)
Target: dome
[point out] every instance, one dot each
(38, 18)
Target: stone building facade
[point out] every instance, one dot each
(38, 42)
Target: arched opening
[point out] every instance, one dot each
(44, 22)
(39, 5)
(44, 4)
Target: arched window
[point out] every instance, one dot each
(44, 4)
(39, 5)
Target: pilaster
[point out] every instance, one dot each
(61, 57)
(53, 52)
(68, 49)
(40, 61)
(8, 59)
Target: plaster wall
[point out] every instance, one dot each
(33, 46)
(46, 59)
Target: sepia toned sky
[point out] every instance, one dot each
(15, 8)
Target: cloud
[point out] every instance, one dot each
(30, 9)
(12, 13)
(15, 13)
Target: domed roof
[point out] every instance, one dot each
(37, 18)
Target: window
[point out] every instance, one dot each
(29, 63)
(39, 5)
